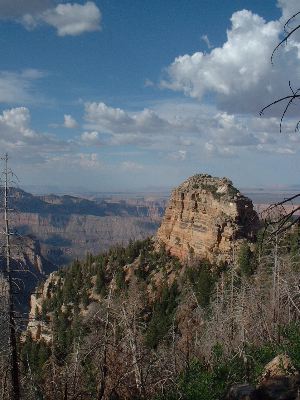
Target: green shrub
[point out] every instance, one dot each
(291, 342)
(120, 278)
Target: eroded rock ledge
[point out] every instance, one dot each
(207, 217)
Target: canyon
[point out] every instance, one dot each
(183, 295)
(69, 227)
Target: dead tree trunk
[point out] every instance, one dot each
(131, 332)
(12, 345)
(104, 366)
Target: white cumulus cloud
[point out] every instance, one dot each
(239, 74)
(18, 119)
(107, 119)
(73, 19)
(25, 144)
(172, 127)
(69, 122)
(90, 137)
(289, 8)
(69, 19)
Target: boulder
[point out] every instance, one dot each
(280, 388)
(242, 392)
(281, 365)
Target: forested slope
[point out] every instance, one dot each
(135, 322)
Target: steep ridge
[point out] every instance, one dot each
(209, 218)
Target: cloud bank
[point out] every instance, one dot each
(25, 144)
(18, 87)
(216, 133)
(69, 19)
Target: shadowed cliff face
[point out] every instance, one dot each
(63, 238)
(29, 269)
(68, 227)
(209, 218)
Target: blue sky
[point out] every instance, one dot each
(126, 95)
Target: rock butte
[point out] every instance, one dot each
(209, 218)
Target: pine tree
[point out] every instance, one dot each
(245, 260)
(100, 279)
(85, 297)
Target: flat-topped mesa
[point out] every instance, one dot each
(209, 218)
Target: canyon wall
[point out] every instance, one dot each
(67, 227)
(64, 237)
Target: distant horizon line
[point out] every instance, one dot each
(57, 189)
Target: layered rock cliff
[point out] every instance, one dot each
(67, 227)
(66, 237)
(207, 217)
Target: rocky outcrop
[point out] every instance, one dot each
(279, 381)
(29, 268)
(208, 218)
(281, 365)
(38, 329)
